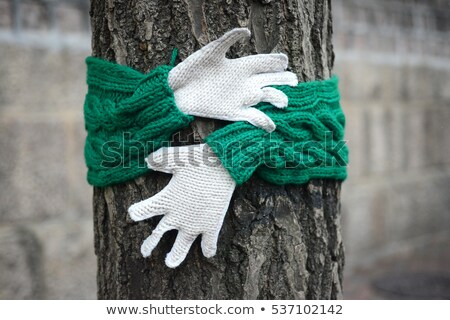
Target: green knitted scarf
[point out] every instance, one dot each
(128, 115)
(307, 143)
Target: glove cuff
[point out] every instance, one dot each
(128, 115)
(307, 143)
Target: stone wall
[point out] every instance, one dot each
(46, 232)
(393, 59)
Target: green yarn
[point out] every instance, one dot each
(174, 57)
(307, 143)
(128, 115)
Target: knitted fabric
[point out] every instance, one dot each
(127, 115)
(307, 143)
(194, 202)
(207, 84)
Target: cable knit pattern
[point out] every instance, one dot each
(127, 115)
(307, 143)
(194, 202)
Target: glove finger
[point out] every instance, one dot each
(161, 160)
(252, 97)
(257, 118)
(169, 159)
(150, 243)
(275, 78)
(180, 249)
(153, 206)
(275, 97)
(219, 47)
(258, 63)
(212, 52)
(209, 244)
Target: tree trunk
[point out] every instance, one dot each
(277, 242)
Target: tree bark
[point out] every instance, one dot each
(277, 242)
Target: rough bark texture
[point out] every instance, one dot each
(277, 242)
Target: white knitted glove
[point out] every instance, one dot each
(207, 84)
(194, 202)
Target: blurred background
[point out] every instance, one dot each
(393, 59)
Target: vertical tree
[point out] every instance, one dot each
(277, 242)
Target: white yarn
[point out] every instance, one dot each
(194, 202)
(207, 84)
